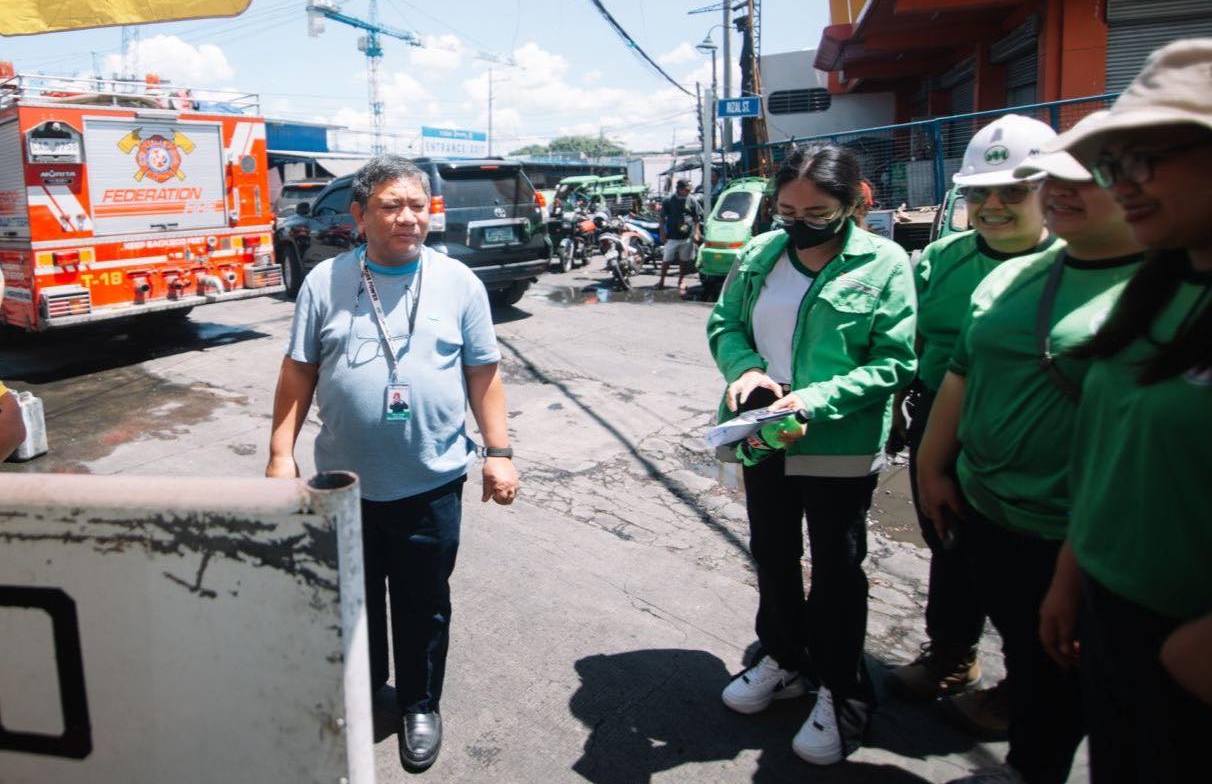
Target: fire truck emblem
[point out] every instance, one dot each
(158, 158)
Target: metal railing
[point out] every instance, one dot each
(912, 163)
(96, 91)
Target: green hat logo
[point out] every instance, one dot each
(997, 154)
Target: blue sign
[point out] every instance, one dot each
(453, 143)
(750, 106)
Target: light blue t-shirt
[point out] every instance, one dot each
(334, 328)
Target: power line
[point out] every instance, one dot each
(627, 39)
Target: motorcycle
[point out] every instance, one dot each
(645, 236)
(621, 244)
(580, 234)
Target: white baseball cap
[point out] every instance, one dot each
(1174, 88)
(998, 148)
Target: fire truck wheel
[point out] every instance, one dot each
(292, 275)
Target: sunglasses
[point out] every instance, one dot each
(1006, 194)
(1135, 166)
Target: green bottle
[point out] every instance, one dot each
(750, 455)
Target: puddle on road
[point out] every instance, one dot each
(89, 417)
(603, 295)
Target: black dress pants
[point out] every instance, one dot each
(954, 616)
(821, 635)
(409, 547)
(1144, 727)
(1013, 571)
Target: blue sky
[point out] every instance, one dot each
(574, 74)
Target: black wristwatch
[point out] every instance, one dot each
(498, 451)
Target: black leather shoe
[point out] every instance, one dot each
(420, 740)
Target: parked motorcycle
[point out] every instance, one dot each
(645, 236)
(580, 232)
(622, 245)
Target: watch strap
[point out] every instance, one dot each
(498, 451)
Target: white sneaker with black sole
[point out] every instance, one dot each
(757, 687)
(819, 741)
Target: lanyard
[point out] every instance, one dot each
(1043, 331)
(377, 308)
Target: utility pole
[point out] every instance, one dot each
(727, 73)
(706, 118)
(490, 112)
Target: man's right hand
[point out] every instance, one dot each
(282, 467)
(739, 390)
(940, 499)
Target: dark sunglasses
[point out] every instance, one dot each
(1006, 194)
(1135, 166)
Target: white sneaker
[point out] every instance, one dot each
(819, 741)
(761, 684)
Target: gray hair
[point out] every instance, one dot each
(387, 167)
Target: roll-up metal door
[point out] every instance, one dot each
(1136, 28)
(962, 96)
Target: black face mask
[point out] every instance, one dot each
(804, 236)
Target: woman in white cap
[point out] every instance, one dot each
(1139, 549)
(1004, 417)
(1007, 223)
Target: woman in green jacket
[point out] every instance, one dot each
(1139, 548)
(819, 316)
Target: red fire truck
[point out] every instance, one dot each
(123, 199)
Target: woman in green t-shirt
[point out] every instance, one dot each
(1138, 558)
(1008, 223)
(1004, 417)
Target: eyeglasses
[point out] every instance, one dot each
(816, 221)
(1135, 166)
(1006, 194)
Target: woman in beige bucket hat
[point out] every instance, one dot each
(1139, 547)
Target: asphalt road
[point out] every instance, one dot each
(597, 619)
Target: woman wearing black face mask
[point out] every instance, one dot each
(819, 316)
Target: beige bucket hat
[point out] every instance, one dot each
(1174, 88)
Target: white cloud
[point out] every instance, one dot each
(438, 53)
(682, 53)
(533, 103)
(177, 61)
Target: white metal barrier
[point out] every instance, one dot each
(158, 629)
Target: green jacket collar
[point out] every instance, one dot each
(857, 244)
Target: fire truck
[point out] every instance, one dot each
(123, 199)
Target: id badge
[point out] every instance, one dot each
(397, 403)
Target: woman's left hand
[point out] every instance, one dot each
(790, 404)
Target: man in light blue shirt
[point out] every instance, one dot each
(395, 341)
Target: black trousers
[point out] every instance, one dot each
(1012, 572)
(954, 616)
(831, 623)
(1144, 727)
(409, 547)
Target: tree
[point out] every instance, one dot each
(590, 146)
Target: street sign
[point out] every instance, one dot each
(750, 106)
(453, 143)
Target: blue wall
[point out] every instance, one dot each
(288, 136)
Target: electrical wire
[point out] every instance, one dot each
(627, 39)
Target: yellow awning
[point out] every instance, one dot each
(27, 17)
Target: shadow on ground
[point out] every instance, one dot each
(47, 357)
(654, 710)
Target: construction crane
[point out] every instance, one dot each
(319, 10)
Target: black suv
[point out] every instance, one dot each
(482, 212)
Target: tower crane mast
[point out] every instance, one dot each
(369, 44)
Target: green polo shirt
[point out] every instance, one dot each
(946, 275)
(1017, 423)
(1142, 514)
